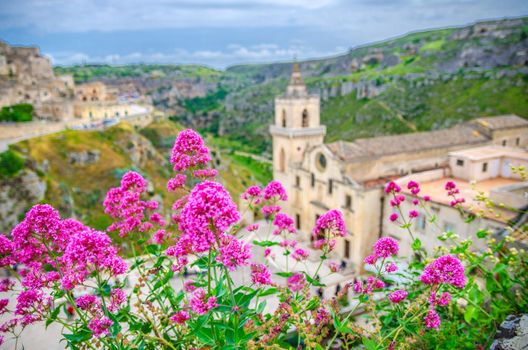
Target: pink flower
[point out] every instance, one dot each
(252, 227)
(296, 282)
(274, 190)
(269, 211)
(333, 266)
(200, 304)
(414, 187)
(88, 302)
(322, 317)
(189, 151)
(427, 198)
(267, 252)
(6, 284)
(283, 223)
(371, 259)
(260, 274)
(6, 251)
(415, 201)
(432, 320)
(233, 253)
(3, 306)
(443, 300)
(392, 187)
(300, 254)
(117, 297)
(100, 326)
(332, 223)
(176, 182)
(205, 173)
(371, 284)
(180, 317)
(398, 296)
(446, 269)
(393, 217)
(391, 267)
(253, 192)
(413, 214)
(385, 247)
(208, 213)
(189, 286)
(31, 305)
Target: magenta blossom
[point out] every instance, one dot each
(385, 247)
(274, 190)
(296, 282)
(260, 274)
(398, 296)
(189, 151)
(446, 269)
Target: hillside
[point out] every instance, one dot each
(72, 170)
(420, 81)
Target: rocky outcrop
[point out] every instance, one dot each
(17, 194)
(512, 334)
(84, 157)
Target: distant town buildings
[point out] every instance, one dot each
(27, 77)
(350, 175)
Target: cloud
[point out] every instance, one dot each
(216, 58)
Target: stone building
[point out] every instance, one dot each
(350, 175)
(27, 77)
(96, 101)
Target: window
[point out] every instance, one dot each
(348, 201)
(420, 223)
(330, 186)
(282, 160)
(313, 180)
(283, 118)
(305, 119)
(460, 162)
(517, 141)
(298, 221)
(297, 181)
(321, 162)
(484, 167)
(347, 249)
(504, 142)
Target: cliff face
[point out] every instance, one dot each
(17, 194)
(27, 77)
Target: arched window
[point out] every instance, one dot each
(283, 123)
(282, 160)
(305, 119)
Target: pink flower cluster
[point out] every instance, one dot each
(296, 282)
(189, 151)
(283, 223)
(208, 213)
(233, 253)
(124, 204)
(327, 227)
(382, 249)
(200, 304)
(369, 286)
(446, 269)
(398, 296)
(44, 244)
(274, 191)
(452, 191)
(260, 274)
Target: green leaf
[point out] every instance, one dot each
(482, 233)
(269, 291)
(284, 274)
(470, 313)
(370, 344)
(53, 316)
(265, 243)
(417, 244)
(313, 281)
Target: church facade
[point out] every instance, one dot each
(350, 175)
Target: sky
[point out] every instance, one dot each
(221, 33)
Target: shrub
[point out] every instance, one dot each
(11, 163)
(17, 113)
(452, 299)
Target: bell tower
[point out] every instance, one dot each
(296, 126)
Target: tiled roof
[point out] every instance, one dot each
(501, 122)
(386, 145)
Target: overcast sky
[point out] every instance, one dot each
(220, 33)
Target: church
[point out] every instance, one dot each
(350, 176)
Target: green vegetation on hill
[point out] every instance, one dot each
(22, 112)
(83, 73)
(11, 162)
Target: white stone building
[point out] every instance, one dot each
(350, 175)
